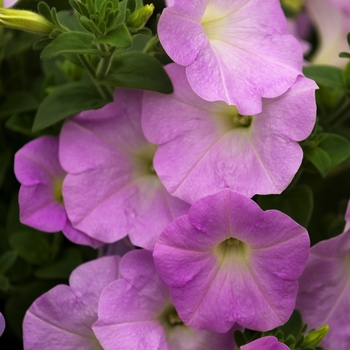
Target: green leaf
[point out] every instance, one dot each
(327, 75)
(17, 103)
(63, 267)
(297, 203)
(39, 45)
(336, 146)
(33, 246)
(119, 37)
(344, 55)
(139, 71)
(346, 74)
(70, 42)
(7, 260)
(319, 158)
(66, 100)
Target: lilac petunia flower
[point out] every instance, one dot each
(229, 261)
(265, 343)
(324, 294)
(135, 312)
(207, 146)
(111, 189)
(61, 319)
(234, 51)
(41, 205)
(2, 324)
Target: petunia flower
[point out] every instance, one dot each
(111, 189)
(324, 294)
(265, 343)
(229, 261)
(207, 146)
(235, 51)
(2, 324)
(61, 319)
(41, 204)
(331, 19)
(135, 312)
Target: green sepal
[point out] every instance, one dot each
(139, 71)
(66, 100)
(119, 37)
(40, 44)
(344, 55)
(70, 42)
(45, 11)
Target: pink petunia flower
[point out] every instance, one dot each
(135, 312)
(229, 261)
(235, 51)
(324, 294)
(265, 343)
(61, 319)
(41, 204)
(208, 146)
(111, 189)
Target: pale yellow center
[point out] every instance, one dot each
(232, 250)
(57, 190)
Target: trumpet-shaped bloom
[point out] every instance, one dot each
(265, 343)
(208, 146)
(234, 51)
(324, 294)
(135, 312)
(61, 319)
(111, 189)
(41, 204)
(229, 261)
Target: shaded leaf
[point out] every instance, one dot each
(327, 75)
(297, 203)
(66, 100)
(17, 103)
(62, 268)
(139, 71)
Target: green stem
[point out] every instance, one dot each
(104, 91)
(105, 63)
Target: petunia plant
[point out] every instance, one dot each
(174, 175)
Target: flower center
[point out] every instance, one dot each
(143, 160)
(169, 318)
(232, 249)
(214, 22)
(230, 117)
(57, 190)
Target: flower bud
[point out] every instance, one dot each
(25, 20)
(315, 337)
(140, 17)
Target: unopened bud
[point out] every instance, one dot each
(25, 20)
(315, 337)
(140, 17)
